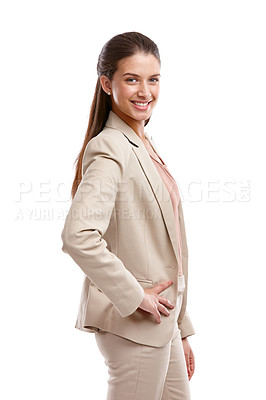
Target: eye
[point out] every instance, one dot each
(131, 79)
(155, 80)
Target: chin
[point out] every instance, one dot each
(141, 116)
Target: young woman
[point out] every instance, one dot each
(125, 230)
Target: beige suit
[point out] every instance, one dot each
(121, 232)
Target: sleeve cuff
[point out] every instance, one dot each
(186, 327)
(127, 308)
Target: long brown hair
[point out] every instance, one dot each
(120, 46)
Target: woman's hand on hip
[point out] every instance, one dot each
(154, 303)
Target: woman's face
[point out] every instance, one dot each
(136, 80)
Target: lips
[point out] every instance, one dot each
(140, 103)
(141, 106)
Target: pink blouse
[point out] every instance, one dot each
(172, 188)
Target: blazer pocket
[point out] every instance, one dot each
(145, 283)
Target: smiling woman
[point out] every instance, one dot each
(134, 89)
(128, 235)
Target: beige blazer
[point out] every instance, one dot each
(121, 231)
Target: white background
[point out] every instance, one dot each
(209, 125)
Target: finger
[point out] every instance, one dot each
(189, 372)
(187, 358)
(162, 286)
(163, 309)
(192, 362)
(165, 301)
(187, 362)
(157, 315)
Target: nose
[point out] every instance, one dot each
(144, 90)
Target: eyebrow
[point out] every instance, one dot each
(130, 73)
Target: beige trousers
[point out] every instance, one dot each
(141, 372)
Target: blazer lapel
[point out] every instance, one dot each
(162, 195)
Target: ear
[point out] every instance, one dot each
(106, 84)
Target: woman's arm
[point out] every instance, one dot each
(104, 162)
(186, 326)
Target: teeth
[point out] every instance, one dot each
(140, 104)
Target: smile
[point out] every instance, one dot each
(141, 105)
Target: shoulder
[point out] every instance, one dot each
(110, 144)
